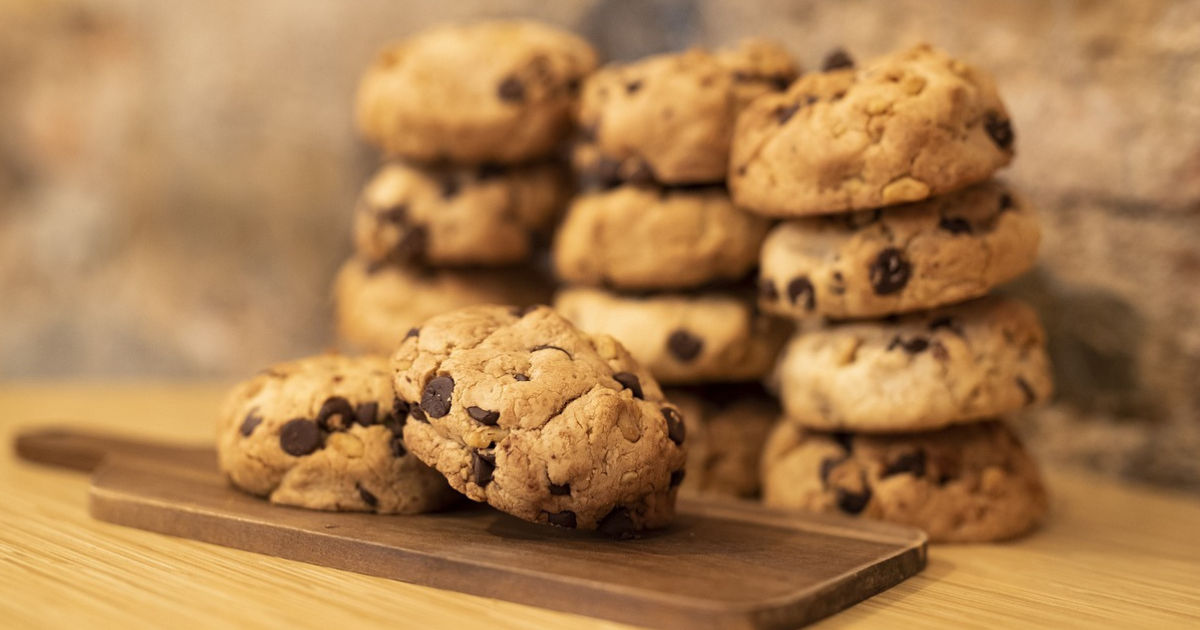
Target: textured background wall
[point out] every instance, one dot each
(176, 179)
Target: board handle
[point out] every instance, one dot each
(84, 450)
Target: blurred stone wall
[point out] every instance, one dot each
(176, 179)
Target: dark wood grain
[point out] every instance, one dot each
(724, 564)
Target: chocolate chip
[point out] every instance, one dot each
(912, 346)
(483, 416)
(250, 423)
(767, 290)
(400, 409)
(780, 82)
(675, 429)
(412, 332)
(677, 477)
(908, 463)
(396, 214)
(559, 491)
(1000, 130)
(511, 90)
(827, 466)
(521, 378)
(617, 523)
(336, 406)
(844, 439)
(435, 400)
(947, 323)
(367, 413)
(785, 113)
(939, 351)
(550, 347)
(1030, 395)
(802, 287)
(684, 346)
(837, 59)
(853, 502)
(450, 187)
(300, 437)
(417, 414)
(631, 382)
(606, 171)
(412, 246)
(1006, 202)
(890, 271)
(565, 519)
(367, 497)
(633, 86)
(955, 225)
(398, 449)
(481, 469)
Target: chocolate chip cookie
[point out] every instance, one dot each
(923, 371)
(376, 305)
(669, 118)
(458, 216)
(727, 425)
(324, 433)
(682, 338)
(878, 262)
(970, 483)
(487, 92)
(646, 238)
(903, 128)
(518, 408)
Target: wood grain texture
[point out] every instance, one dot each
(1111, 555)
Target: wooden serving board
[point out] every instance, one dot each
(724, 564)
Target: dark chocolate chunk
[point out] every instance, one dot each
(947, 323)
(412, 246)
(767, 290)
(550, 347)
(890, 272)
(827, 466)
(396, 214)
(300, 437)
(617, 523)
(677, 477)
(939, 351)
(520, 377)
(785, 113)
(1000, 130)
(511, 90)
(339, 407)
(559, 491)
(450, 187)
(605, 171)
(684, 346)
(844, 439)
(1030, 395)
(251, 421)
(1006, 202)
(400, 410)
(912, 346)
(412, 332)
(675, 429)
(908, 463)
(565, 519)
(853, 502)
(633, 86)
(799, 288)
(780, 82)
(482, 468)
(398, 449)
(435, 400)
(483, 416)
(631, 382)
(955, 225)
(367, 497)
(837, 59)
(367, 413)
(417, 414)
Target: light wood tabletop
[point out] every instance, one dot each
(1111, 555)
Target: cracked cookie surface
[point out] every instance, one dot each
(971, 483)
(682, 338)
(376, 305)
(520, 409)
(697, 237)
(727, 425)
(488, 92)
(669, 118)
(918, 372)
(323, 433)
(903, 128)
(893, 260)
(447, 216)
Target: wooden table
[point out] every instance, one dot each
(1112, 555)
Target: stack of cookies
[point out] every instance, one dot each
(472, 121)
(894, 233)
(656, 254)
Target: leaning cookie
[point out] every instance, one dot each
(880, 262)
(643, 238)
(520, 409)
(323, 433)
(682, 338)
(727, 425)
(923, 371)
(904, 128)
(488, 92)
(669, 118)
(458, 216)
(971, 483)
(375, 305)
